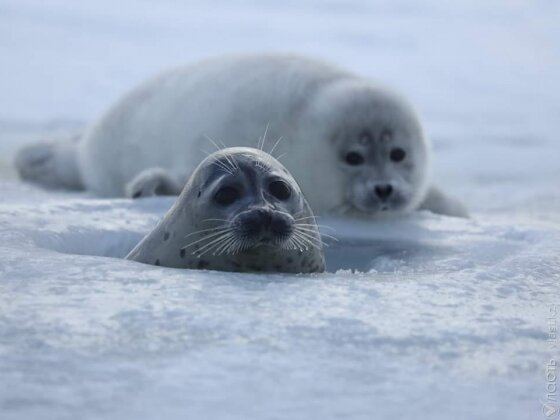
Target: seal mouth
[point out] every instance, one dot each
(263, 227)
(371, 206)
(258, 228)
(269, 242)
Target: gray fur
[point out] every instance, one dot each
(183, 238)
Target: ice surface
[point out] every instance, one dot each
(428, 317)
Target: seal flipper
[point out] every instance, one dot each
(438, 202)
(152, 182)
(51, 164)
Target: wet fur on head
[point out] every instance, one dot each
(240, 211)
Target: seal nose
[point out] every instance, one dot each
(260, 221)
(383, 191)
(257, 220)
(281, 224)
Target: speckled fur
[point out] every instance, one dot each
(168, 244)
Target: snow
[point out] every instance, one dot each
(426, 317)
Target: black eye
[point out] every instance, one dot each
(280, 190)
(354, 158)
(397, 154)
(226, 195)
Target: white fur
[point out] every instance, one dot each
(164, 124)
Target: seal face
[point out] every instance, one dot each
(241, 210)
(381, 156)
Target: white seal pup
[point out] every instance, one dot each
(241, 210)
(355, 147)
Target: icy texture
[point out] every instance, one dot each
(427, 317)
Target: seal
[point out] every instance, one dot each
(240, 210)
(355, 147)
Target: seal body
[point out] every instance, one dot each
(355, 147)
(241, 210)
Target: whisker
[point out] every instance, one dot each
(234, 167)
(218, 148)
(291, 244)
(238, 246)
(307, 217)
(263, 138)
(203, 230)
(211, 235)
(308, 244)
(225, 244)
(311, 235)
(217, 161)
(309, 230)
(275, 144)
(231, 163)
(222, 165)
(211, 245)
(315, 224)
(300, 243)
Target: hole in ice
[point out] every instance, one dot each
(419, 243)
(109, 228)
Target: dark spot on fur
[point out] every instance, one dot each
(166, 236)
(137, 194)
(157, 262)
(202, 264)
(182, 253)
(198, 195)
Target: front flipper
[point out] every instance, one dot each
(438, 202)
(152, 182)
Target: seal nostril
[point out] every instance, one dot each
(383, 191)
(281, 226)
(255, 221)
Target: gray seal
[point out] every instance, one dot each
(241, 210)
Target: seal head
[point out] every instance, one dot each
(241, 210)
(379, 155)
